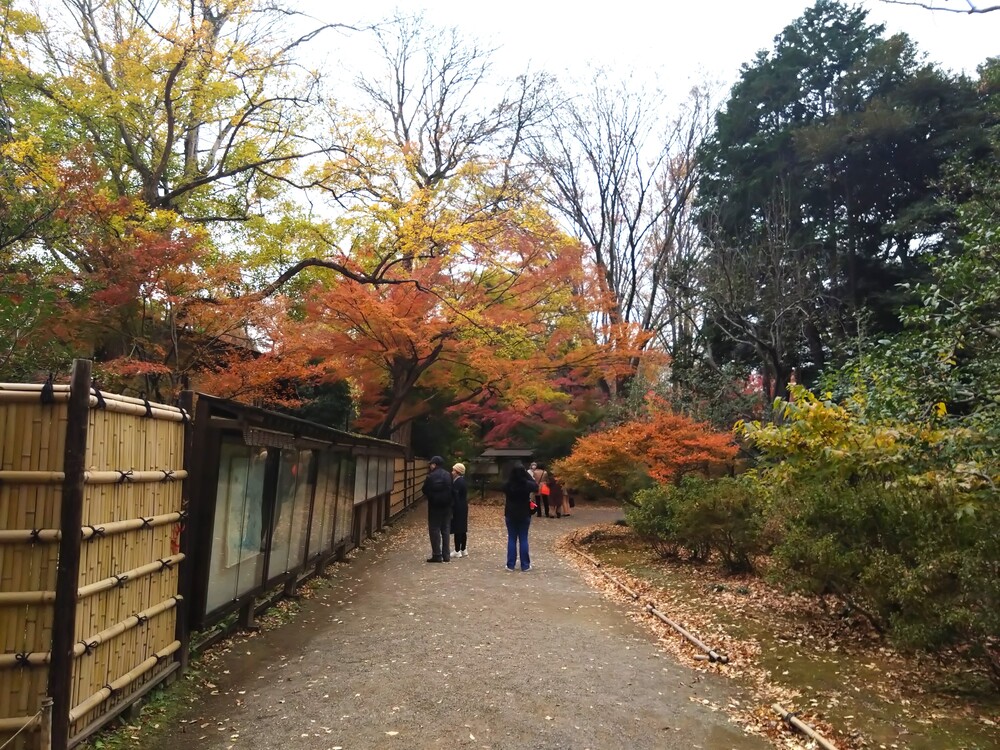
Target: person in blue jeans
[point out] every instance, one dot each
(518, 490)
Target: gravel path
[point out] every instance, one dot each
(397, 653)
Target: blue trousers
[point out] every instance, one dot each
(517, 534)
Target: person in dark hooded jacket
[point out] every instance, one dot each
(518, 489)
(437, 490)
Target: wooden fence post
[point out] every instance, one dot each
(183, 627)
(45, 735)
(68, 571)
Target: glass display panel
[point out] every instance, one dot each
(345, 501)
(236, 562)
(291, 512)
(387, 465)
(325, 505)
(361, 479)
(374, 476)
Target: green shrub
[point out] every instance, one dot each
(923, 564)
(703, 516)
(651, 515)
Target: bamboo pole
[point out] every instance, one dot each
(45, 725)
(713, 655)
(40, 658)
(607, 575)
(128, 476)
(119, 580)
(64, 388)
(124, 681)
(67, 580)
(29, 536)
(111, 405)
(13, 598)
(19, 723)
(23, 536)
(134, 477)
(133, 524)
(807, 730)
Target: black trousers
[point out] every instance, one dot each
(461, 538)
(439, 529)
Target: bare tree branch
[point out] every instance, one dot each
(969, 8)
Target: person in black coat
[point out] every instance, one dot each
(437, 490)
(460, 510)
(518, 489)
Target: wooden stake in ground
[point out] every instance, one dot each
(67, 581)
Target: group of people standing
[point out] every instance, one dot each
(447, 510)
(550, 495)
(526, 492)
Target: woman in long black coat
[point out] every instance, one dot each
(460, 510)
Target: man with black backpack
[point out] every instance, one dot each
(437, 490)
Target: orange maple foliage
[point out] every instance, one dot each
(145, 295)
(665, 446)
(502, 317)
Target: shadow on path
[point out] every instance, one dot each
(395, 652)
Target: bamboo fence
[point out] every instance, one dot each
(124, 611)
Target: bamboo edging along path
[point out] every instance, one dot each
(711, 654)
(792, 720)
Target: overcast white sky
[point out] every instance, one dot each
(684, 41)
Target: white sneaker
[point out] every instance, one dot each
(465, 553)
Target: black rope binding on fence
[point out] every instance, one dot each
(165, 563)
(88, 648)
(101, 403)
(95, 532)
(125, 476)
(36, 535)
(22, 659)
(120, 580)
(147, 523)
(48, 394)
(140, 618)
(111, 690)
(168, 475)
(183, 515)
(149, 409)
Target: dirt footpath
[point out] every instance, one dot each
(398, 653)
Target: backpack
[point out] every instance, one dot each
(438, 490)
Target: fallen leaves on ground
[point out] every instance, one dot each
(810, 631)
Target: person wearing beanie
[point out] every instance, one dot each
(437, 490)
(460, 510)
